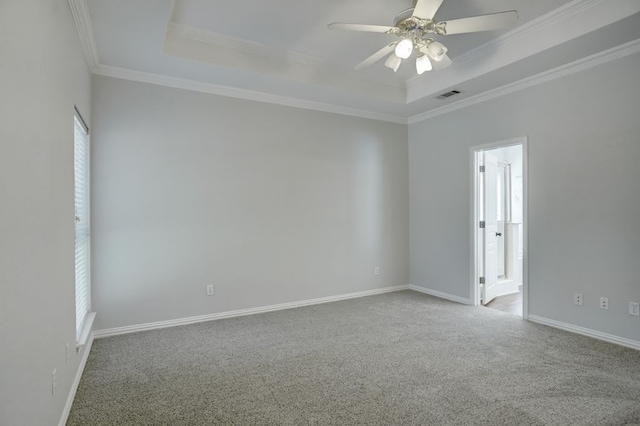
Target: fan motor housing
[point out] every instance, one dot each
(407, 23)
(402, 16)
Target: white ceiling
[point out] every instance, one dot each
(282, 51)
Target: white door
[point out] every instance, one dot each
(490, 215)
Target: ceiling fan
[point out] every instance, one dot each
(415, 26)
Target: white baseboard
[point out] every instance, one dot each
(76, 380)
(440, 294)
(242, 312)
(586, 332)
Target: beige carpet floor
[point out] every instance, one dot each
(400, 358)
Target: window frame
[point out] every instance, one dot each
(82, 233)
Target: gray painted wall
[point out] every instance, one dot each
(584, 193)
(43, 74)
(270, 204)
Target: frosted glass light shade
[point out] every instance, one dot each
(437, 51)
(393, 62)
(404, 48)
(423, 64)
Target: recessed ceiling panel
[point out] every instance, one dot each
(283, 48)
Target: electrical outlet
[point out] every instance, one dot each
(604, 303)
(210, 290)
(577, 299)
(634, 309)
(54, 381)
(376, 270)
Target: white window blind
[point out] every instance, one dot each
(82, 225)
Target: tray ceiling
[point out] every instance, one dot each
(281, 50)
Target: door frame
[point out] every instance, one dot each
(474, 218)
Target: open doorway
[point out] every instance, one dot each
(499, 226)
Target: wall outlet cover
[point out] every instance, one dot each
(210, 290)
(604, 303)
(577, 299)
(634, 309)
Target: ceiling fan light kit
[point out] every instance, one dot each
(393, 62)
(415, 26)
(423, 64)
(404, 48)
(437, 51)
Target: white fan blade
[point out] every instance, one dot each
(440, 65)
(360, 27)
(377, 56)
(426, 9)
(474, 24)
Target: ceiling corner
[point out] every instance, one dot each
(551, 29)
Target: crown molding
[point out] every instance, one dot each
(84, 26)
(527, 31)
(580, 65)
(530, 29)
(233, 92)
(531, 37)
(82, 19)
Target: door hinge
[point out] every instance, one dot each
(482, 224)
(481, 169)
(481, 280)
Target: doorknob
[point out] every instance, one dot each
(498, 234)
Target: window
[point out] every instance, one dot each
(82, 225)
